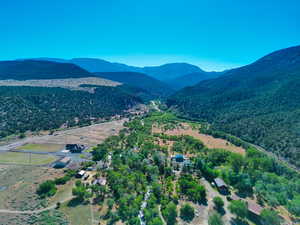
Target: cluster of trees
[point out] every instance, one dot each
(191, 188)
(151, 212)
(256, 173)
(38, 108)
(48, 188)
(138, 163)
(81, 192)
(187, 212)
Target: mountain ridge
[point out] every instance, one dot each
(34, 69)
(259, 102)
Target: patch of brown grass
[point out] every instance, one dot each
(208, 141)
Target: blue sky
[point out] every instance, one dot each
(214, 34)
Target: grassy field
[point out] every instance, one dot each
(26, 158)
(20, 183)
(53, 217)
(41, 147)
(77, 214)
(63, 192)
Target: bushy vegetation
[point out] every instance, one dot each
(47, 189)
(187, 212)
(190, 187)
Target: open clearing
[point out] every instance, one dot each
(77, 213)
(19, 185)
(41, 147)
(70, 83)
(208, 141)
(51, 217)
(26, 158)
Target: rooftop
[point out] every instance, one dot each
(220, 183)
(65, 160)
(254, 208)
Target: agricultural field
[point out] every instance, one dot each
(209, 141)
(21, 158)
(33, 147)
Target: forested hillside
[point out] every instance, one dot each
(39, 108)
(33, 69)
(259, 102)
(139, 80)
(192, 79)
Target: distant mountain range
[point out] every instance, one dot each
(259, 102)
(167, 73)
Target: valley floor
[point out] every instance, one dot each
(20, 178)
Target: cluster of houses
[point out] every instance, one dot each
(84, 175)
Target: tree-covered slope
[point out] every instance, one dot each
(139, 80)
(191, 79)
(33, 69)
(170, 70)
(40, 108)
(259, 102)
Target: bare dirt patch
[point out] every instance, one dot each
(70, 83)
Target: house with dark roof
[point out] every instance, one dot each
(75, 148)
(62, 162)
(220, 184)
(179, 158)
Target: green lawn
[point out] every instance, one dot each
(41, 147)
(26, 158)
(77, 214)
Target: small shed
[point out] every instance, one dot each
(254, 208)
(62, 162)
(222, 187)
(80, 174)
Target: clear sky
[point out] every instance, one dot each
(213, 34)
